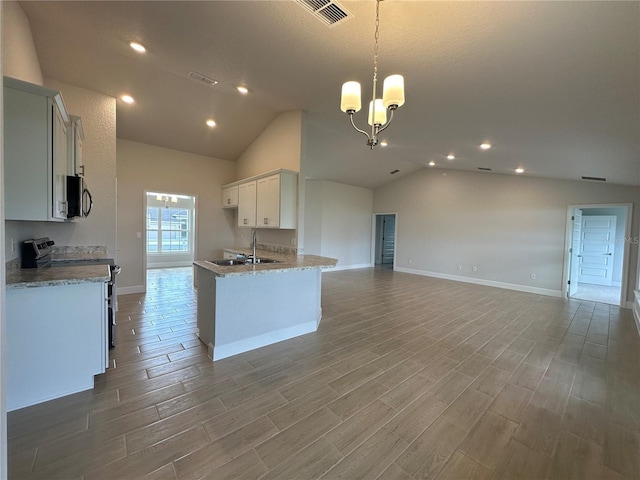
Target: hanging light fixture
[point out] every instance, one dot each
(166, 199)
(392, 96)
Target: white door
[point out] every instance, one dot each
(388, 238)
(576, 241)
(596, 249)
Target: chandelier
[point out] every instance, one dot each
(392, 96)
(166, 199)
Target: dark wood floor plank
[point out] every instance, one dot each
(433, 379)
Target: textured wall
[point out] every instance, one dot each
(277, 147)
(338, 222)
(506, 226)
(144, 168)
(19, 58)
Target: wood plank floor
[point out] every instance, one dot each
(407, 378)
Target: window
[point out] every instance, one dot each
(168, 224)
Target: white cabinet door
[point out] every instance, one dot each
(55, 339)
(268, 202)
(35, 152)
(230, 197)
(60, 164)
(247, 204)
(76, 139)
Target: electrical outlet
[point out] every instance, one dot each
(459, 267)
(474, 268)
(410, 261)
(533, 276)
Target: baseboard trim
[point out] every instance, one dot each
(241, 346)
(129, 290)
(636, 309)
(487, 283)
(338, 268)
(170, 264)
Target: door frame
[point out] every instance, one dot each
(374, 239)
(566, 271)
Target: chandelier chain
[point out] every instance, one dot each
(376, 36)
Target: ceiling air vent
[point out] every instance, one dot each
(485, 169)
(394, 172)
(327, 11)
(200, 78)
(595, 179)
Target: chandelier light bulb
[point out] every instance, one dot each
(393, 91)
(377, 113)
(351, 97)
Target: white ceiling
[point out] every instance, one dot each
(555, 86)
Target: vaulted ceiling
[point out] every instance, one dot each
(554, 86)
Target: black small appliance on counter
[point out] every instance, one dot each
(37, 252)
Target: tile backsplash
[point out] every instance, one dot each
(77, 249)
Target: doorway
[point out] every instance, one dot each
(385, 240)
(169, 230)
(596, 263)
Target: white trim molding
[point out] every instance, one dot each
(129, 290)
(486, 283)
(338, 268)
(636, 309)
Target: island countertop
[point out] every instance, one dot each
(285, 262)
(53, 276)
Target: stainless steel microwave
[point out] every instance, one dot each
(79, 199)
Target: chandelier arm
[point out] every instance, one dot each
(388, 122)
(356, 128)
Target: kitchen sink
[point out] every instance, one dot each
(261, 260)
(226, 263)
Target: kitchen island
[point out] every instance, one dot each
(243, 307)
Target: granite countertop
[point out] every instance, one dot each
(286, 262)
(54, 276)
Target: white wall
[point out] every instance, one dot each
(278, 146)
(144, 168)
(506, 226)
(3, 349)
(338, 222)
(19, 58)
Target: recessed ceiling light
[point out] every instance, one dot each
(138, 47)
(451, 156)
(383, 143)
(211, 123)
(242, 89)
(485, 146)
(432, 163)
(127, 99)
(519, 170)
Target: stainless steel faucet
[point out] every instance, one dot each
(253, 244)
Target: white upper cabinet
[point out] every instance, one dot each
(265, 201)
(35, 152)
(230, 197)
(247, 204)
(60, 164)
(76, 140)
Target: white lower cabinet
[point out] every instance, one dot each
(56, 341)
